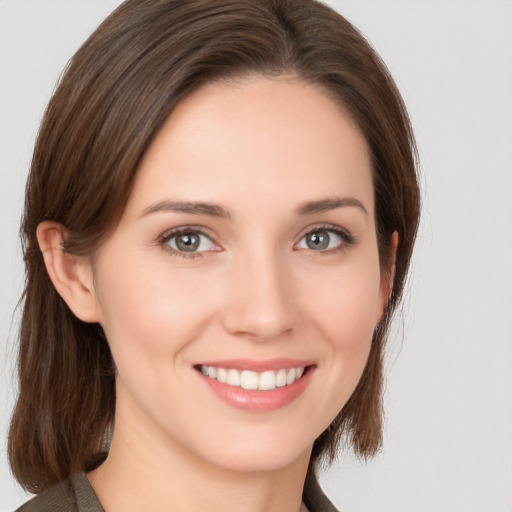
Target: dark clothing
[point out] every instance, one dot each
(77, 495)
(74, 495)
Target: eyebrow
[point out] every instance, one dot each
(215, 210)
(192, 207)
(324, 205)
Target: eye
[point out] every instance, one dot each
(188, 241)
(324, 239)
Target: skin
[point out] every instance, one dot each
(256, 290)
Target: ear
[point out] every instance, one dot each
(388, 276)
(70, 274)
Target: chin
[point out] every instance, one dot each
(275, 460)
(257, 453)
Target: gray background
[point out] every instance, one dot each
(448, 440)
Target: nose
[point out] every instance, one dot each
(259, 299)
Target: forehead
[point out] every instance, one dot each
(255, 142)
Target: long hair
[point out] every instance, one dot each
(115, 94)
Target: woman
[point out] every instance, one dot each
(219, 220)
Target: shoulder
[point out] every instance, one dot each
(74, 495)
(59, 498)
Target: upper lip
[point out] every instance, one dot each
(257, 365)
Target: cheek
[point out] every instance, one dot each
(344, 308)
(152, 312)
(345, 302)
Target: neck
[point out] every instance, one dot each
(146, 471)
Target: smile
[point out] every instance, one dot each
(251, 380)
(257, 386)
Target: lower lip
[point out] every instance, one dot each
(255, 400)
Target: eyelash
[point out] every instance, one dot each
(164, 239)
(347, 238)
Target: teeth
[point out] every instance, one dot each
(222, 374)
(233, 378)
(247, 379)
(281, 378)
(267, 380)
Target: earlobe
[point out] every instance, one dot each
(70, 274)
(388, 276)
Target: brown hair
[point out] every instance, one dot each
(117, 91)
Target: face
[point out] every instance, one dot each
(240, 291)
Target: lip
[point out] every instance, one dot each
(256, 401)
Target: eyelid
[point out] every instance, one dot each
(164, 238)
(346, 235)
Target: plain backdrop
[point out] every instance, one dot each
(448, 439)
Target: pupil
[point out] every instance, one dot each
(318, 240)
(187, 242)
